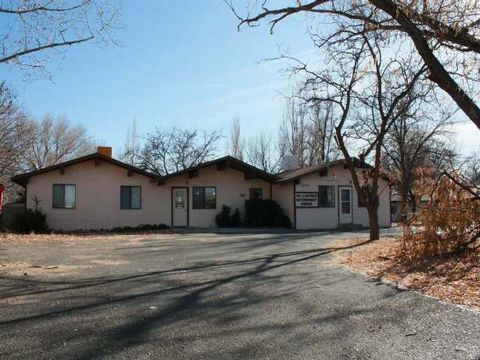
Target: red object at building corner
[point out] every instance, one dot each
(2, 189)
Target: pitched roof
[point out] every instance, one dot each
(22, 179)
(229, 161)
(298, 173)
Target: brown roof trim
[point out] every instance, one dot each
(232, 162)
(22, 179)
(237, 164)
(298, 173)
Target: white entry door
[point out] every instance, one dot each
(345, 203)
(179, 207)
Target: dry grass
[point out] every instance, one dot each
(455, 279)
(33, 238)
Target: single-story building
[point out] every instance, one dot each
(98, 192)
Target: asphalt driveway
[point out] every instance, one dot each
(200, 295)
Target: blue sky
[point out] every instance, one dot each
(183, 64)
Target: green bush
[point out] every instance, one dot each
(235, 219)
(265, 213)
(224, 219)
(31, 221)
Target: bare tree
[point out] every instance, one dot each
(32, 29)
(56, 140)
(307, 132)
(292, 133)
(416, 141)
(472, 168)
(320, 129)
(444, 33)
(369, 91)
(16, 137)
(132, 145)
(16, 130)
(261, 153)
(236, 141)
(174, 149)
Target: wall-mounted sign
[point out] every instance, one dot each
(306, 199)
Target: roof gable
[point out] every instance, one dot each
(300, 172)
(22, 179)
(227, 161)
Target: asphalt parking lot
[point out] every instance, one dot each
(214, 295)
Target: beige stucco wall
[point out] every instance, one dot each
(282, 193)
(98, 196)
(232, 190)
(327, 218)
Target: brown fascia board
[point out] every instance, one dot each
(22, 179)
(232, 162)
(357, 163)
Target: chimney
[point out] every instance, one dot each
(105, 150)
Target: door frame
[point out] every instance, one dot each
(340, 203)
(171, 205)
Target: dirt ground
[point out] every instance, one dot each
(456, 279)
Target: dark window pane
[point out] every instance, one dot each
(198, 197)
(58, 196)
(345, 208)
(125, 196)
(256, 194)
(210, 198)
(326, 196)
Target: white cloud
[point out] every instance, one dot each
(467, 137)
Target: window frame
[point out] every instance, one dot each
(320, 204)
(251, 190)
(63, 207)
(130, 205)
(203, 207)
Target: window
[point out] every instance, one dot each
(326, 196)
(130, 197)
(64, 196)
(256, 194)
(204, 197)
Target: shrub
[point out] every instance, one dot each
(31, 221)
(265, 213)
(235, 219)
(224, 219)
(139, 228)
(449, 224)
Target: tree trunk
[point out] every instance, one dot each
(403, 209)
(373, 221)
